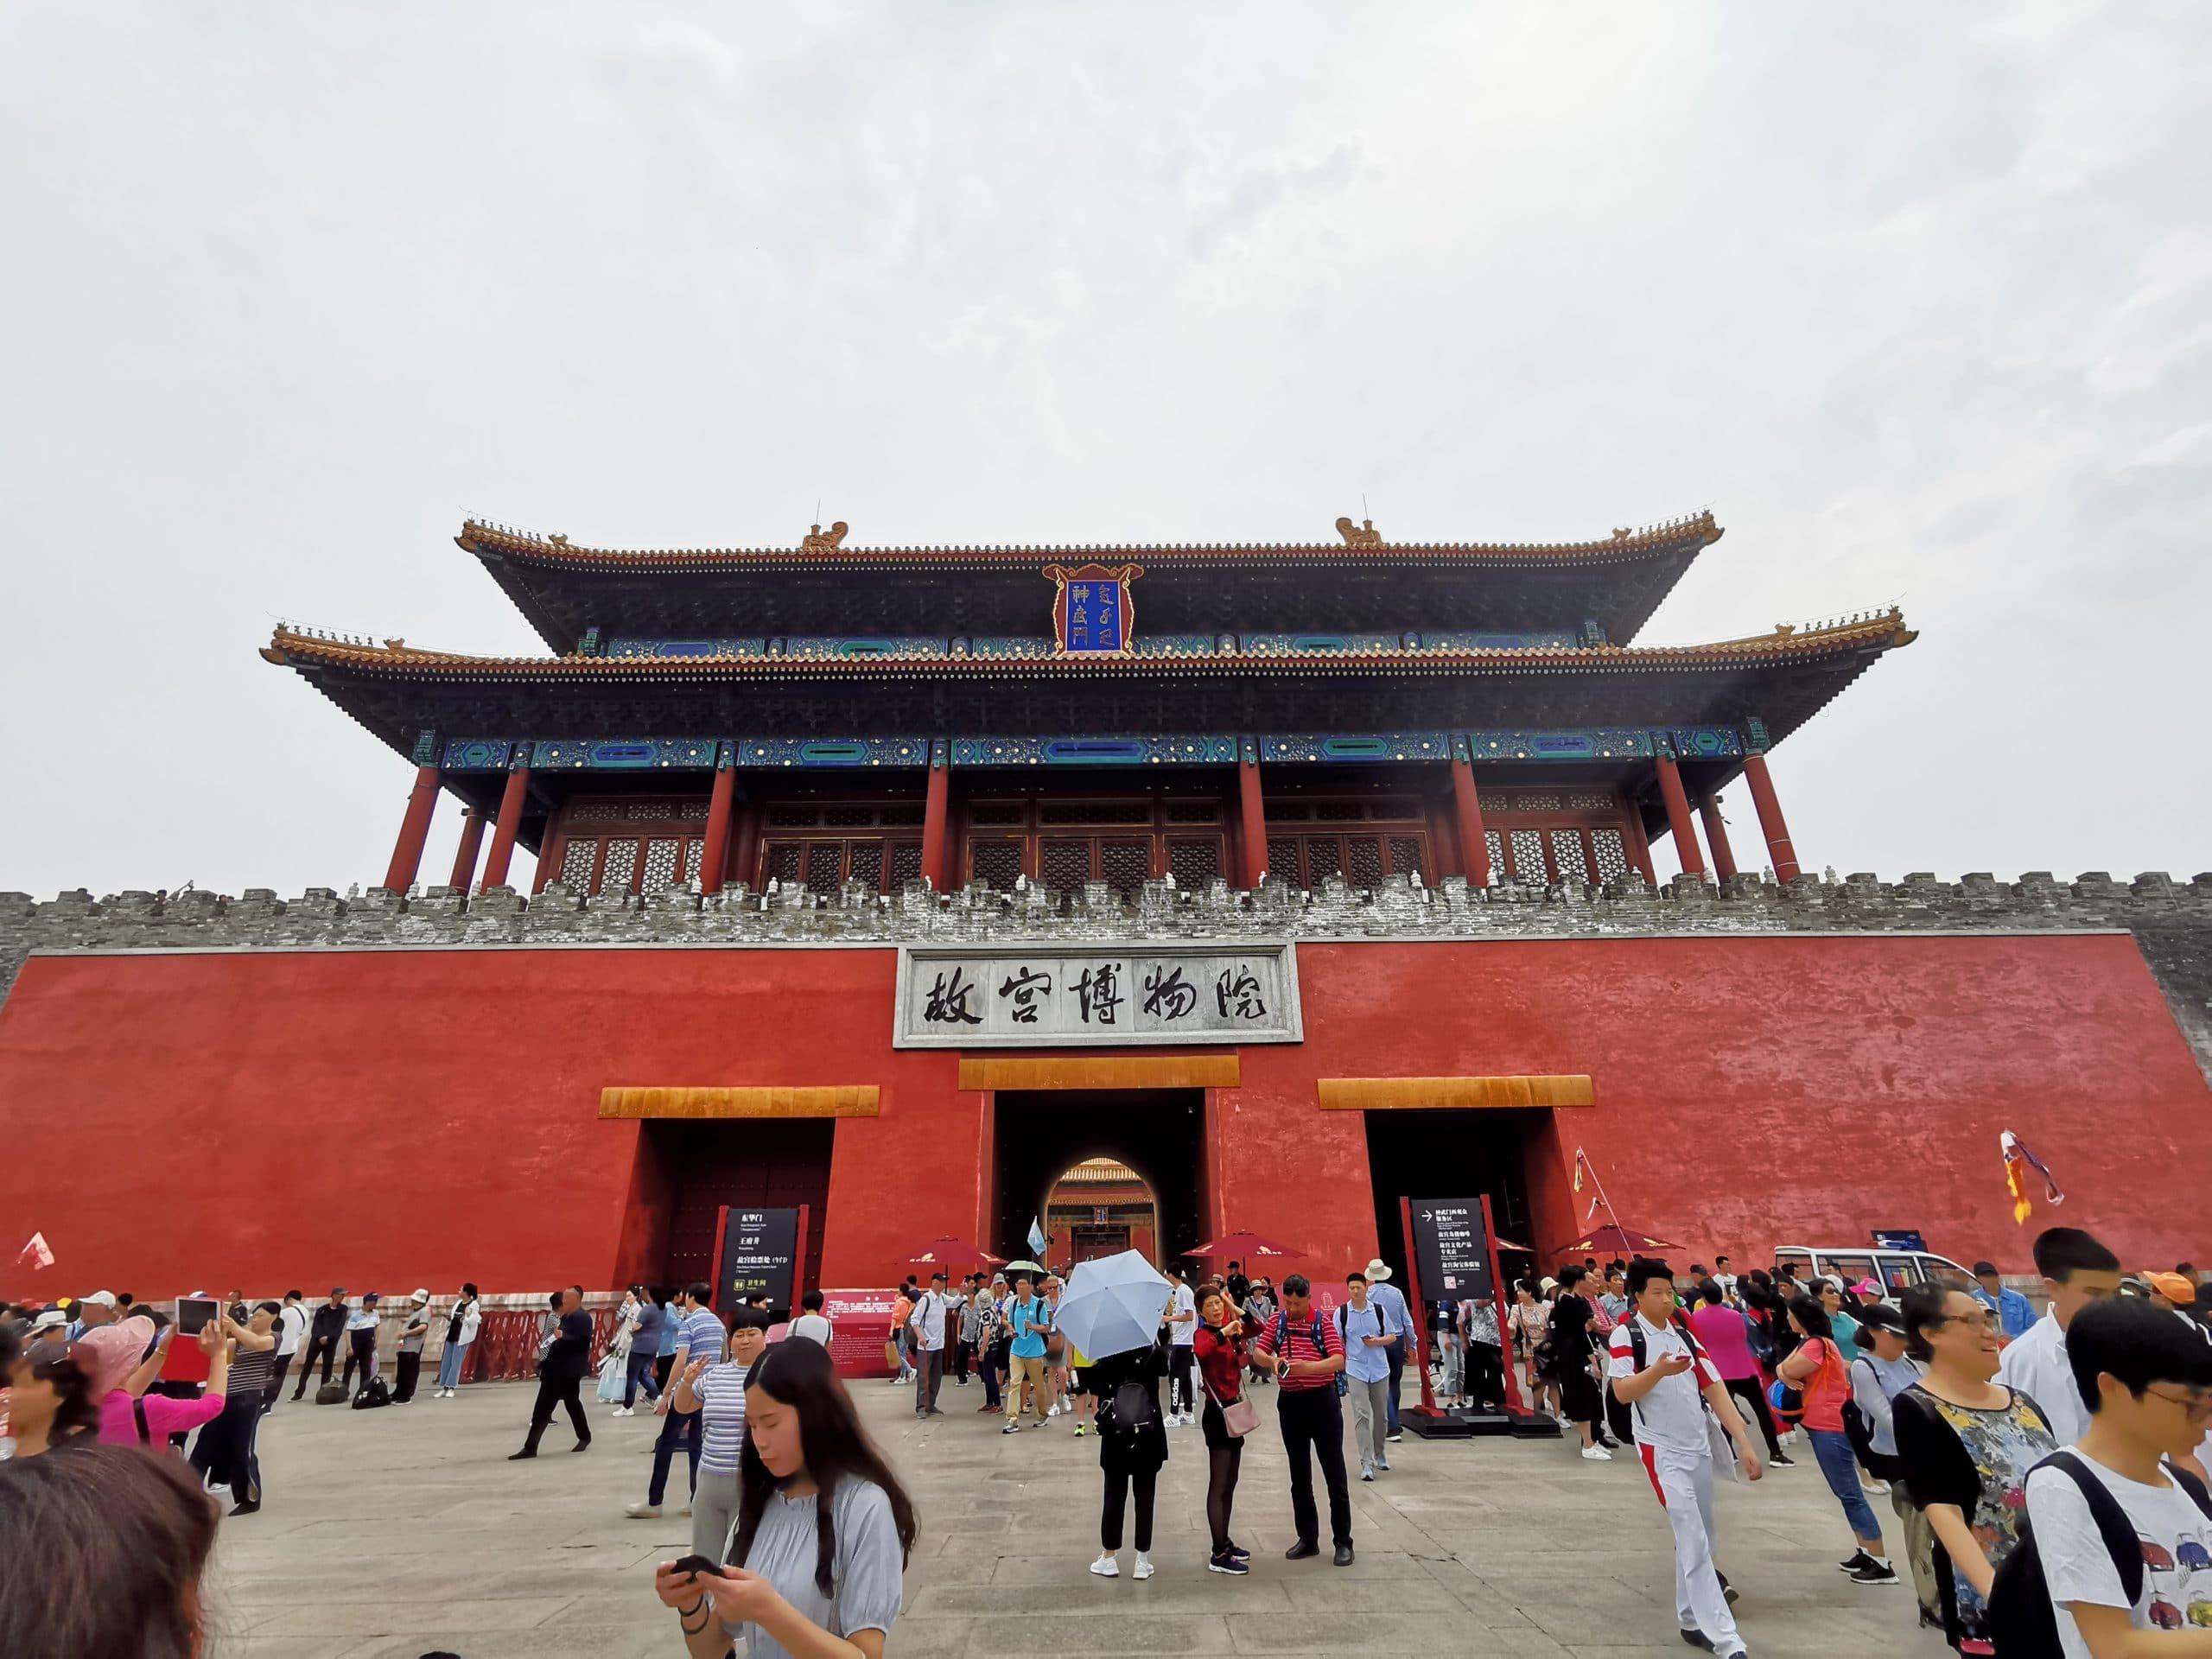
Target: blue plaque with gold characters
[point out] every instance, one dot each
(1092, 612)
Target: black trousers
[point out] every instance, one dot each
(268, 1396)
(410, 1367)
(1179, 1382)
(562, 1391)
(963, 1352)
(328, 1347)
(363, 1353)
(1313, 1421)
(225, 1454)
(1747, 1390)
(1118, 1482)
(1486, 1380)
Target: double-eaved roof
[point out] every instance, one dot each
(1370, 637)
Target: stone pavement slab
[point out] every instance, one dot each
(397, 1532)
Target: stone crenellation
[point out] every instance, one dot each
(2172, 920)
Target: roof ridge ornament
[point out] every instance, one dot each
(816, 541)
(1364, 535)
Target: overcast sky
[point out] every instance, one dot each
(1918, 298)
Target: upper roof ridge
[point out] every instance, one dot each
(491, 534)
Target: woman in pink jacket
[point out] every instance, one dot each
(115, 1358)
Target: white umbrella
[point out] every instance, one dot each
(1112, 1306)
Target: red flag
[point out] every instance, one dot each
(35, 1253)
(2019, 1160)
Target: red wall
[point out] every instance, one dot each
(386, 1119)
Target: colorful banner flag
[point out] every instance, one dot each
(2019, 1160)
(35, 1253)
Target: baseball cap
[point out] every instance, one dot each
(1985, 1270)
(371, 1297)
(1882, 1314)
(1867, 1287)
(2171, 1285)
(99, 1299)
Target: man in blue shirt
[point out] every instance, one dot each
(1390, 1302)
(1367, 1367)
(2015, 1312)
(1027, 1321)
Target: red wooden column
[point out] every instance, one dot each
(413, 830)
(1780, 852)
(513, 800)
(1679, 824)
(1474, 846)
(464, 857)
(1252, 815)
(934, 814)
(714, 854)
(1716, 836)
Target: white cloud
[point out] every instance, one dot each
(1916, 298)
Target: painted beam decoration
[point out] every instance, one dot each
(1093, 614)
(1063, 996)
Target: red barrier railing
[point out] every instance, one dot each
(506, 1348)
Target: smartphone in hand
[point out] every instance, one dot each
(699, 1567)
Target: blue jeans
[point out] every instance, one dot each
(640, 1371)
(1831, 1451)
(677, 1426)
(454, 1355)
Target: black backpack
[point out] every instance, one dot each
(2022, 1623)
(373, 1393)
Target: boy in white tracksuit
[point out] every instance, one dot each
(1668, 1399)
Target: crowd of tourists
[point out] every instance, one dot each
(2044, 1472)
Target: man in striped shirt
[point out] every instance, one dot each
(699, 1336)
(1307, 1353)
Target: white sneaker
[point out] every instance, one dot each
(1055, 1411)
(643, 1511)
(1011, 1429)
(1596, 1454)
(1367, 1471)
(618, 1411)
(1107, 1567)
(1143, 1569)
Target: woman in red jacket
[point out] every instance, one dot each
(1222, 1358)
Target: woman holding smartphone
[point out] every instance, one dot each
(823, 1528)
(1222, 1355)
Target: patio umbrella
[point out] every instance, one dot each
(1613, 1238)
(1023, 1266)
(1112, 1305)
(1236, 1246)
(947, 1250)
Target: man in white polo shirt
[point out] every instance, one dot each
(1667, 1395)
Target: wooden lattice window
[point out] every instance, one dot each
(618, 844)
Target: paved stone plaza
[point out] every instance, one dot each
(405, 1531)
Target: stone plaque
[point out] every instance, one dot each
(1063, 997)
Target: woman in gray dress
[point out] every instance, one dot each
(823, 1528)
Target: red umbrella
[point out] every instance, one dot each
(947, 1250)
(1238, 1245)
(1614, 1239)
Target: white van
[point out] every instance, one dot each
(1897, 1271)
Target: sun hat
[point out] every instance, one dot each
(1377, 1270)
(109, 1353)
